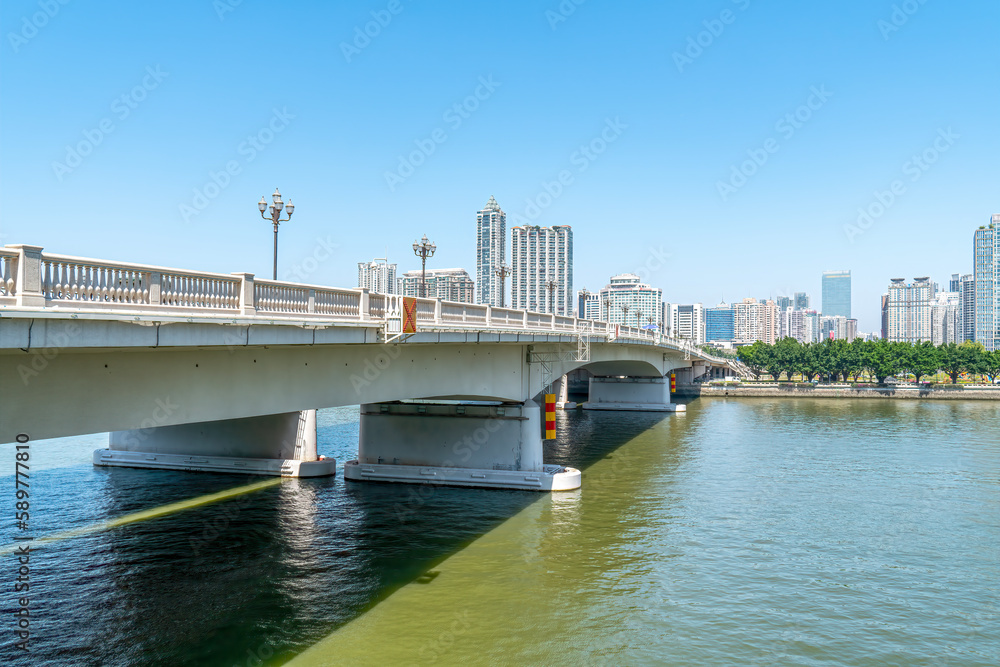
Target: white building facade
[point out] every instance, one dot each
(755, 320)
(685, 321)
(986, 274)
(378, 276)
(627, 300)
(491, 251)
(908, 317)
(542, 269)
(946, 318)
(447, 284)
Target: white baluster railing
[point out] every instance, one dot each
(8, 275)
(72, 279)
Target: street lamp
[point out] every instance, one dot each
(502, 272)
(624, 315)
(423, 250)
(551, 284)
(276, 220)
(638, 318)
(607, 309)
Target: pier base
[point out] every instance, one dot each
(631, 394)
(454, 444)
(278, 445)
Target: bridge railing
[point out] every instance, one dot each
(32, 278)
(8, 276)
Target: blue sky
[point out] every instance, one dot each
(885, 81)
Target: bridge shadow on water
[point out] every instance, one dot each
(262, 575)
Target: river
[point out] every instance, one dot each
(746, 531)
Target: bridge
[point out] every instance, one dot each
(192, 370)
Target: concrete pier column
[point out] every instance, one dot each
(631, 393)
(456, 444)
(281, 445)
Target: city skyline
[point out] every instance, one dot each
(187, 150)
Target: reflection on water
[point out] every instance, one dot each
(746, 531)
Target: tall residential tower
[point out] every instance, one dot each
(986, 274)
(542, 269)
(491, 251)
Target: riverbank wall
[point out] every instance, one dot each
(783, 390)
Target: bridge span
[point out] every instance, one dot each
(207, 371)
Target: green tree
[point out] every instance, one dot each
(881, 359)
(923, 359)
(787, 353)
(975, 356)
(952, 360)
(991, 364)
(754, 356)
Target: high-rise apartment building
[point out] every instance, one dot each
(945, 318)
(541, 276)
(986, 274)
(719, 323)
(626, 300)
(784, 303)
(802, 300)
(446, 284)
(589, 307)
(754, 320)
(491, 251)
(909, 310)
(378, 276)
(685, 321)
(797, 323)
(837, 293)
(966, 308)
(837, 327)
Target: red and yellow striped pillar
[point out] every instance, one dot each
(550, 416)
(673, 383)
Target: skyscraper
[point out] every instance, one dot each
(719, 323)
(986, 272)
(909, 310)
(755, 320)
(541, 256)
(491, 251)
(802, 300)
(966, 308)
(837, 293)
(378, 276)
(945, 317)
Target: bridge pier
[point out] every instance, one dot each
(454, 444)
(631, 393)
(277, 445)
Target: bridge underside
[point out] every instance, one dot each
(236, 398)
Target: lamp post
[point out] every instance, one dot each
(624, 308)
(423, 250)
(551, 284)
(638, 318)
(502, 272)
(607, 309)
(276, 220)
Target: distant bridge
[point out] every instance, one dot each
(206, 371)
